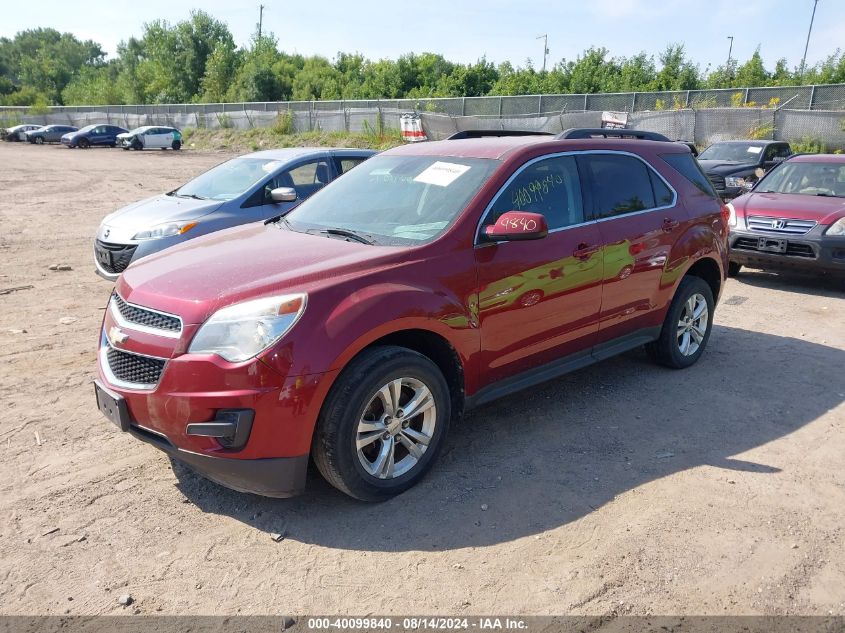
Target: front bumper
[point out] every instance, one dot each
(812, 251)
(199, 389)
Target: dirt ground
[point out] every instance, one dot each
(622, 488)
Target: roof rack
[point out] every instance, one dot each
(484, 133)
(601, 132)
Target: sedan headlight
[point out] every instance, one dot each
(731, 214)
(735, 181)
(241, 331)
(168, 229)
(836, 229)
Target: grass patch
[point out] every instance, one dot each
(255, 139)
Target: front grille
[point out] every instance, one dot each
(718, 182)
(132, 368)
(147, 318)
(792, 249)
(773, 225)
(121, 255)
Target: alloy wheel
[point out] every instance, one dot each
(692, 326)
(396, 428)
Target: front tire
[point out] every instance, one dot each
(383, 423)
(733, 269)
(84, 143)
(39, 140)
(686, 328)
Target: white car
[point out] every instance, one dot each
(151, 137)
(18, 132)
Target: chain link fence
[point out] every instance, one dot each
(702, 116)
(702, 127)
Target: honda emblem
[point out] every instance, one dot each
(779, 224)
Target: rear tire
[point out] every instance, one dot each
(368, 443)
(687, 326)
(176, 145)
(733, 269)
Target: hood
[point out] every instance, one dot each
(163, 208)
(70, 135)
(125, 135)
(197, 277)
(821, 209)
(725, 167)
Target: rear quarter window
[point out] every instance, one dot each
(688, 167)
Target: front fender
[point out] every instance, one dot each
(354, 321)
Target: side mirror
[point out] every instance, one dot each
(283, 194)
(517, 225)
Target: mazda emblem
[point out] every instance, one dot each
(106, 232)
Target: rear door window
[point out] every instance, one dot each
(346, 163)
(619, 184)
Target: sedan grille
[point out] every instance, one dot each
(780, 225)
(116, 257)
(146, 318)
(133, 368)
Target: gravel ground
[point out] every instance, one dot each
(623, 488)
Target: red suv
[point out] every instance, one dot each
(431, 279)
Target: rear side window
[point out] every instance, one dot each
(619, 184)
(689, 168)
(550, 187)
(345, 164)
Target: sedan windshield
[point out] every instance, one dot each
(229, 180)
(813, 179)
(395, 199)
(732, 152)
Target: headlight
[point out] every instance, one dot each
(731, 214)
(168, 229)
(735, 181)
(243, 330)
(837, 228)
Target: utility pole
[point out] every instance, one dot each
(807, 45)
(545, 39)
(260, 19)
(730, 50)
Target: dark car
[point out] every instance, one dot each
(18, 132)
(734, 166)
(93, 135)
(794, 218)
(49, 134)
(245, 189)
(358, 326)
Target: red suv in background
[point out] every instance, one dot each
(431, 279)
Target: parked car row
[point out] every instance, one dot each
(101, 134)
(351, 323)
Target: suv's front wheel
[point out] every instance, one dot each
(383, 423)
(687, 326)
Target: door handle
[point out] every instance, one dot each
(670, 225)
(584, 250)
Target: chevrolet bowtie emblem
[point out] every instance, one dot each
(117, 336)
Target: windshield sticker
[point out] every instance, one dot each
(754, 150)
(442, 174)
(271, 166)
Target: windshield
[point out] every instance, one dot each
(229, 180)
(139, 130)
(813, 179)
(733, 152)
(396, 199)
(87, 128)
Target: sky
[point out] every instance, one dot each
(465, 30)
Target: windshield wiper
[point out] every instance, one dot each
(358, 237)
(829, 195)
(191, 195)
